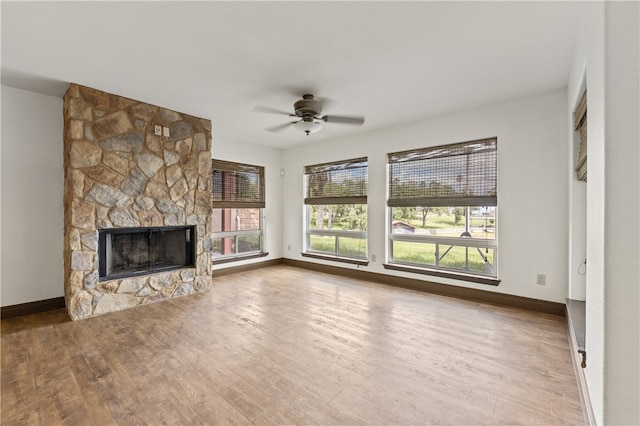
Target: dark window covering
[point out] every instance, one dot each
(581, 127)
(237, 185)
(340, 182)
(462, 174)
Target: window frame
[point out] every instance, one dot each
(489, 276)
(337, 234)
(355, 198)
(231, 202)
(241, 233)
(475, 243)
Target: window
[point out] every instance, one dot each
(238, 200)
(581, 128)
(336, 211)
(442, 210)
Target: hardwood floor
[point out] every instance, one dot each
(281, 345)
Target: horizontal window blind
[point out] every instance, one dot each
(462, 174)
(340, 182)
(237, 185)
(581, 128)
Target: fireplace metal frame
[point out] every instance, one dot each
(102, 250)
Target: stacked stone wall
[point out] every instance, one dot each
(120, 174)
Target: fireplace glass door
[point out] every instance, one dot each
(125, 252)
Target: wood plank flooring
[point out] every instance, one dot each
(281, 345)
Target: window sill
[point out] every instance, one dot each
(222, 260)
(336, 258)
(443, 274)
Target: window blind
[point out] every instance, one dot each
(340, 182)
(462, 174)
(581, 127)
(237, 185)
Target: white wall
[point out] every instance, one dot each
(271, 160)
(589, 62)
(607, 53)
(622, 214)
(532, 187)
(32, 194)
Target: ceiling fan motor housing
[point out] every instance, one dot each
(307, 106)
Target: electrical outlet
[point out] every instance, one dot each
(541, 279)
(373, 257)
(158, 130)
(165, 132)
(289, 247)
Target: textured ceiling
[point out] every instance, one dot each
(392, 62)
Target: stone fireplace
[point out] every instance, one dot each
(146, 193)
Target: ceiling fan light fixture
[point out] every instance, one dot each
(308, 111)
(308, 126)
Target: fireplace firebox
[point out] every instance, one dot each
(127, 252)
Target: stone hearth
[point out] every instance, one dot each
(119, 174)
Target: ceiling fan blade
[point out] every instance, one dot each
(270, 110)
(280, 127)
(354, 120)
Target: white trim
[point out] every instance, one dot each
(581, 380)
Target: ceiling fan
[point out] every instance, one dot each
(308, 110)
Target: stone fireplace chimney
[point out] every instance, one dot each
(119, 173)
